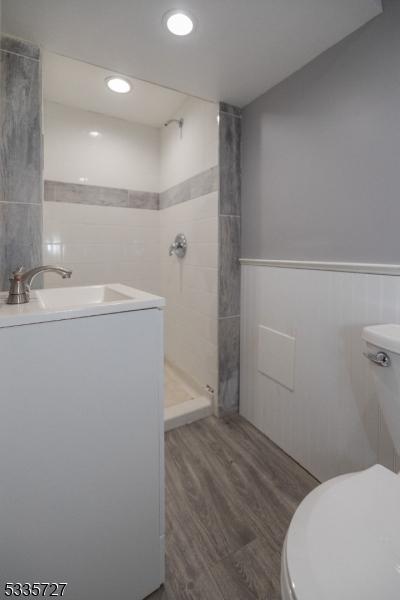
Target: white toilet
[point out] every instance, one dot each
(344, 540)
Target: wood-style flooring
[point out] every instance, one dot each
(230, 496)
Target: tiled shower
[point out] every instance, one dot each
(109, 233)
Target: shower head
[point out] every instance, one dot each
(178, 121)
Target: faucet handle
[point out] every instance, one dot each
(178, 246)
(18, 271)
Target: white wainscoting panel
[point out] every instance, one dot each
(276, 354)
(331, 422)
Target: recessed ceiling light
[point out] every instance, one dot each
(120, 85)
(179, 22)
(94, 134)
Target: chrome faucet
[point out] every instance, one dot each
(21, 282)
(178, 246)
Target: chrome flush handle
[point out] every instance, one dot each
(380, 358)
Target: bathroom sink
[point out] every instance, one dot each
(55, 304)
(80, 296)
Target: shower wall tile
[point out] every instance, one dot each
(114, 197)
(102, 244)
(230, 127)
(204, 183)
(229, 266)
(21, 237)
(20, 157)
(229, 253)
(50, 191)
(199, 185)
(229, 109)
(191, 288)
(102, 215)
(5, 272)
(20, 142)
(74, 193)
(228, 364)
(147, 200)
(175, 195)
(16, 46)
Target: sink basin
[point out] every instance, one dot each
(80, 296)
(55, 304)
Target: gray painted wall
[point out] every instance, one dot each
(321, 155)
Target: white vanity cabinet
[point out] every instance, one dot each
(81, 447)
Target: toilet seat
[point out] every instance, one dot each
(344, 540)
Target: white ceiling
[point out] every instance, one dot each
(82, 85)
(238, 50)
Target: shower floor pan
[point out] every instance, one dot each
(183, 401)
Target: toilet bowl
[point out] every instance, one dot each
(344, 539)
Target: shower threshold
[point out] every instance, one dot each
(184, 402)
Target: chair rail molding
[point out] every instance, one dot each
(343, 267)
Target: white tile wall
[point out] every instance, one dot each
(190, 287)
(196, 150)
(102, 244)
(108, 244)
(125, 155)
(331, 422)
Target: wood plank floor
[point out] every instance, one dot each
(230, 495)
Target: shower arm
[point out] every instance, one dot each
(179, 122)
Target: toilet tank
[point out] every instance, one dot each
(383, 352)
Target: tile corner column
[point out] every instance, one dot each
(21, 155)
(230, 126)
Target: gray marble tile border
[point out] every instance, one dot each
(74, 193)
(230, 125)
(194, 187)
(16, 46)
